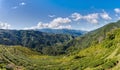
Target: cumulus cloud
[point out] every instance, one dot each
(60, 23)
(105, 16)
(76, 16)
(117, 10)
(56, 23)
(4, 25)
(91, 18)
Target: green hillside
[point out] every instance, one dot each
(95, 36)
(99, 56)
(39, 41)
(15, 58)
(55, 44)
(97, 50)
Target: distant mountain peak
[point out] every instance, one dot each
(63, 31)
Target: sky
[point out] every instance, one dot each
(58, 14)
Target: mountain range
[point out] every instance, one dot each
(64, 31)
(95, 50)
(36, 40)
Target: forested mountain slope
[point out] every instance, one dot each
(99, 56)
(36, 40)
(88, 39)
(64, 31)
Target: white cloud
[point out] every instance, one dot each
(22, 3)
(56, 23)
(105, 16)
(51, 16)
(42, 25)
(117, 10)
(91, 18)
(4, 25)
(76, 16)
(59, 21)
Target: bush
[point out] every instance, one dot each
(109, 64)
(78, 57)
(97, 63)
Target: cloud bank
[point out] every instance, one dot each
(91, 18)
(65, 23)
(4, 25)
(57, 23)
(73, 19)
(117, 10)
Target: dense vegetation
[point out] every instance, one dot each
(36, 40)
(96, 36)
(96, 50)
(99, 56)
(54, 44)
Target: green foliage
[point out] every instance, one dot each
(96, 63)
(103, 52)
(95, 57)
(109, 64)
(96, 36)
(36, 40)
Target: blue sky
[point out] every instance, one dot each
(58, 14)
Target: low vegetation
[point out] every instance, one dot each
(36, 40)
(99, 56)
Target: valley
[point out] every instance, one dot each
(59, 35)
(101, 55)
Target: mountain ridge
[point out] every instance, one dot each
(72, 32)
(64, 43)
(36, 40)
(91, 37)
(99, 56)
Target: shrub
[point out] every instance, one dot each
(109, 64)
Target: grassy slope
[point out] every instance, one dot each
(94, 36)
(15, 57)
(39, 41)
(99, 56)
(105, 55)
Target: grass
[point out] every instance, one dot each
(101, 56)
